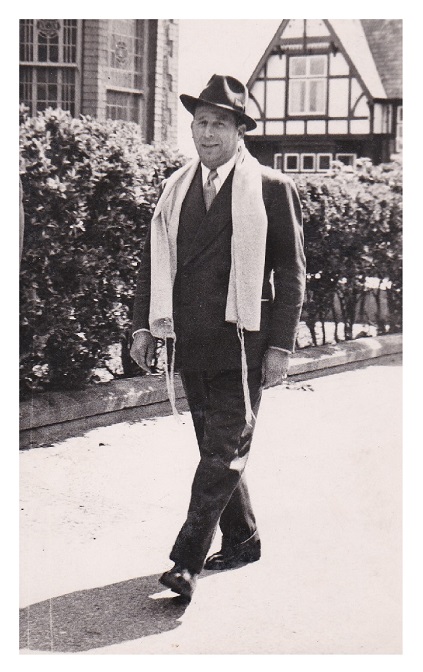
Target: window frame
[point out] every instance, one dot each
(350, 154)
(33, 67)
(399, 130)
(137, 93)
(307, 79)
(285, 161)
(319, 155)
(307, 170)
(133, 102)
(278, 159)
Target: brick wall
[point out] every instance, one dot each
(165, 97)
(94, 75)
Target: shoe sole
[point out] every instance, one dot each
(231, 563)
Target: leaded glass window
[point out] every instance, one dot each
(126, 53)
(122, 105)
(126, 60)
(49, 63)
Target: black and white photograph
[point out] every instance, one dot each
(211, 338)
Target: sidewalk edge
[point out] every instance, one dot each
(59, 407)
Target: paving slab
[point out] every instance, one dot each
(99, 514)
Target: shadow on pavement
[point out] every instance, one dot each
(43, 437)
(99, 617)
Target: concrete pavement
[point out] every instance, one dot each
(99, 514)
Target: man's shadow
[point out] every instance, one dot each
(99, 617)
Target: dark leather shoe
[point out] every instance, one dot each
(230, 557)
(180, 581)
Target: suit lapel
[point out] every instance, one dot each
(215, 220)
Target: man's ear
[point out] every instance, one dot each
(241, 131)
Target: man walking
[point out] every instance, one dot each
(222, 280)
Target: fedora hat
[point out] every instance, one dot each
(225, 92)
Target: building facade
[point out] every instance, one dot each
(328, 90)
(106, 68)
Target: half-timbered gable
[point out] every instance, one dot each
(328, 89)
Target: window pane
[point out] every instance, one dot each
(25, 86)
(54, 53)
(68, 91)
(317, 65)
(47, 88)
(277, 161)
(291, 161)
(52, 75)
(347, 159)
(324, 161)
(126, 53)
(26, 39)
(41, 92)
(316, 103)
(297, 66)
(297, 90)
(125, 106)
(42, 52)
(308, 161)
(69, 40)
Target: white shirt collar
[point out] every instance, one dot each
(222, 172)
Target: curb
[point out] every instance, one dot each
(328, 356)
(47, 409)
(57, 407)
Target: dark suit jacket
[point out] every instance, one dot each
(204, 340)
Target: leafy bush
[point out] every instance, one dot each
(89, 192)
(353, 232)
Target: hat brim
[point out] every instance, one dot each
(190, 103)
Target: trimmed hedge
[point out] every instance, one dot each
(353, 232)
(89, 192)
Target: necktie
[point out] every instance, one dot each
(209, 188)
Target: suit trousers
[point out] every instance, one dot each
(219, 492)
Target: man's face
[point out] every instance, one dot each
(216, 135)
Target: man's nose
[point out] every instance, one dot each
(208, 131)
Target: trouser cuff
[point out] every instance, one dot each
(253, 538)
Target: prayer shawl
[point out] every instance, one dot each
(248, 250)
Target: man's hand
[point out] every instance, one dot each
(143, 350)
(275, 367)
